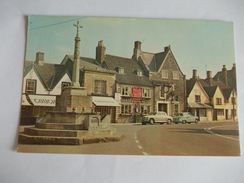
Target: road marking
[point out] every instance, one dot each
(209, 131)
(144, 153)
(137, 141)
(140, 147)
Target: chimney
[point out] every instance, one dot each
(137, 50)
(210, 78)
(100, 52)
(39, 58)
(166, 48)
(195, 74)
(234, 70)
(224, 75)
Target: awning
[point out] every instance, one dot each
(43, 100)
(25, 101)
(199, 105)
(105, 101)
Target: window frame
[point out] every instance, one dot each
(100, 89)
(27, 85)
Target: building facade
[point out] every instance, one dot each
(168, 80)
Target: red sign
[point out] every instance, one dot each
(137, 92)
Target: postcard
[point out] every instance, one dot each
(127, 86)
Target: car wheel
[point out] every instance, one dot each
(183, 122)
(169, 121)
(196, 121)
(151, 121)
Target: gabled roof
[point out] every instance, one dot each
(210, 90)
(227, 93)
(49, 74)
(129, 65)
(189, 85)
(153, 60)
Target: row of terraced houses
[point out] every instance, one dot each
(127, 88)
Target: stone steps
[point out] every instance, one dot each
(66, 133)
(59, 126)
(51, 140)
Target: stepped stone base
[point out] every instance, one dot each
(51, 140)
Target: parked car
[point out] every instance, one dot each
(159, 117)
(185, 117)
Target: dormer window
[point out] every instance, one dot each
(138, 72)
(120, 70)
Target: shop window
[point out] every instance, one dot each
(233, 111)
(218, 101)
(176, 109)
(202, 113)
(220, 112)
(145, 109)
(197, 98)
(125, 109)
(100, 87)
(30, 86)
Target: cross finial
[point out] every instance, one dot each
(78, 26)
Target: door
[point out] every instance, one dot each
(215, 115)
(226, 113)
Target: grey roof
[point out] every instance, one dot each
(129, 65)
(49, 74)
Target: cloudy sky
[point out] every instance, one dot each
(201, 45)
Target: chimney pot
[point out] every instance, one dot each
(209, 74)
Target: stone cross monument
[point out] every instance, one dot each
(76, 66)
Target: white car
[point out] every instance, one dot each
(159, 117)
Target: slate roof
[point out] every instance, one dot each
(210, 90)
(129, 77)
(49, 74)
(189, 85)
(154, 60)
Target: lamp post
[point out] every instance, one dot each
(233, 106)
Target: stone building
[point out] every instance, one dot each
(133, 89)
(98, 82)
(165, 74)
(211, 100)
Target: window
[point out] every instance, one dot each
(30, 86)
(233, 111)
(145, 109)
(197, 98)
(165, 74)
(65, 84)
(176, 109)
(125, 109)
(220, 112)
(139, 73)
(121, 70)
(176, 75)
(218, 101)
(202, 113)
(146, 93)
(100, 87)
(125, 91)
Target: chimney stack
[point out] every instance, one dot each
(39, 58)
(224, 75)
(210, 78)
(195, 74)
(137, 50)
(166, 48)
(100, 52)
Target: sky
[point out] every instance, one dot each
(201, 45)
